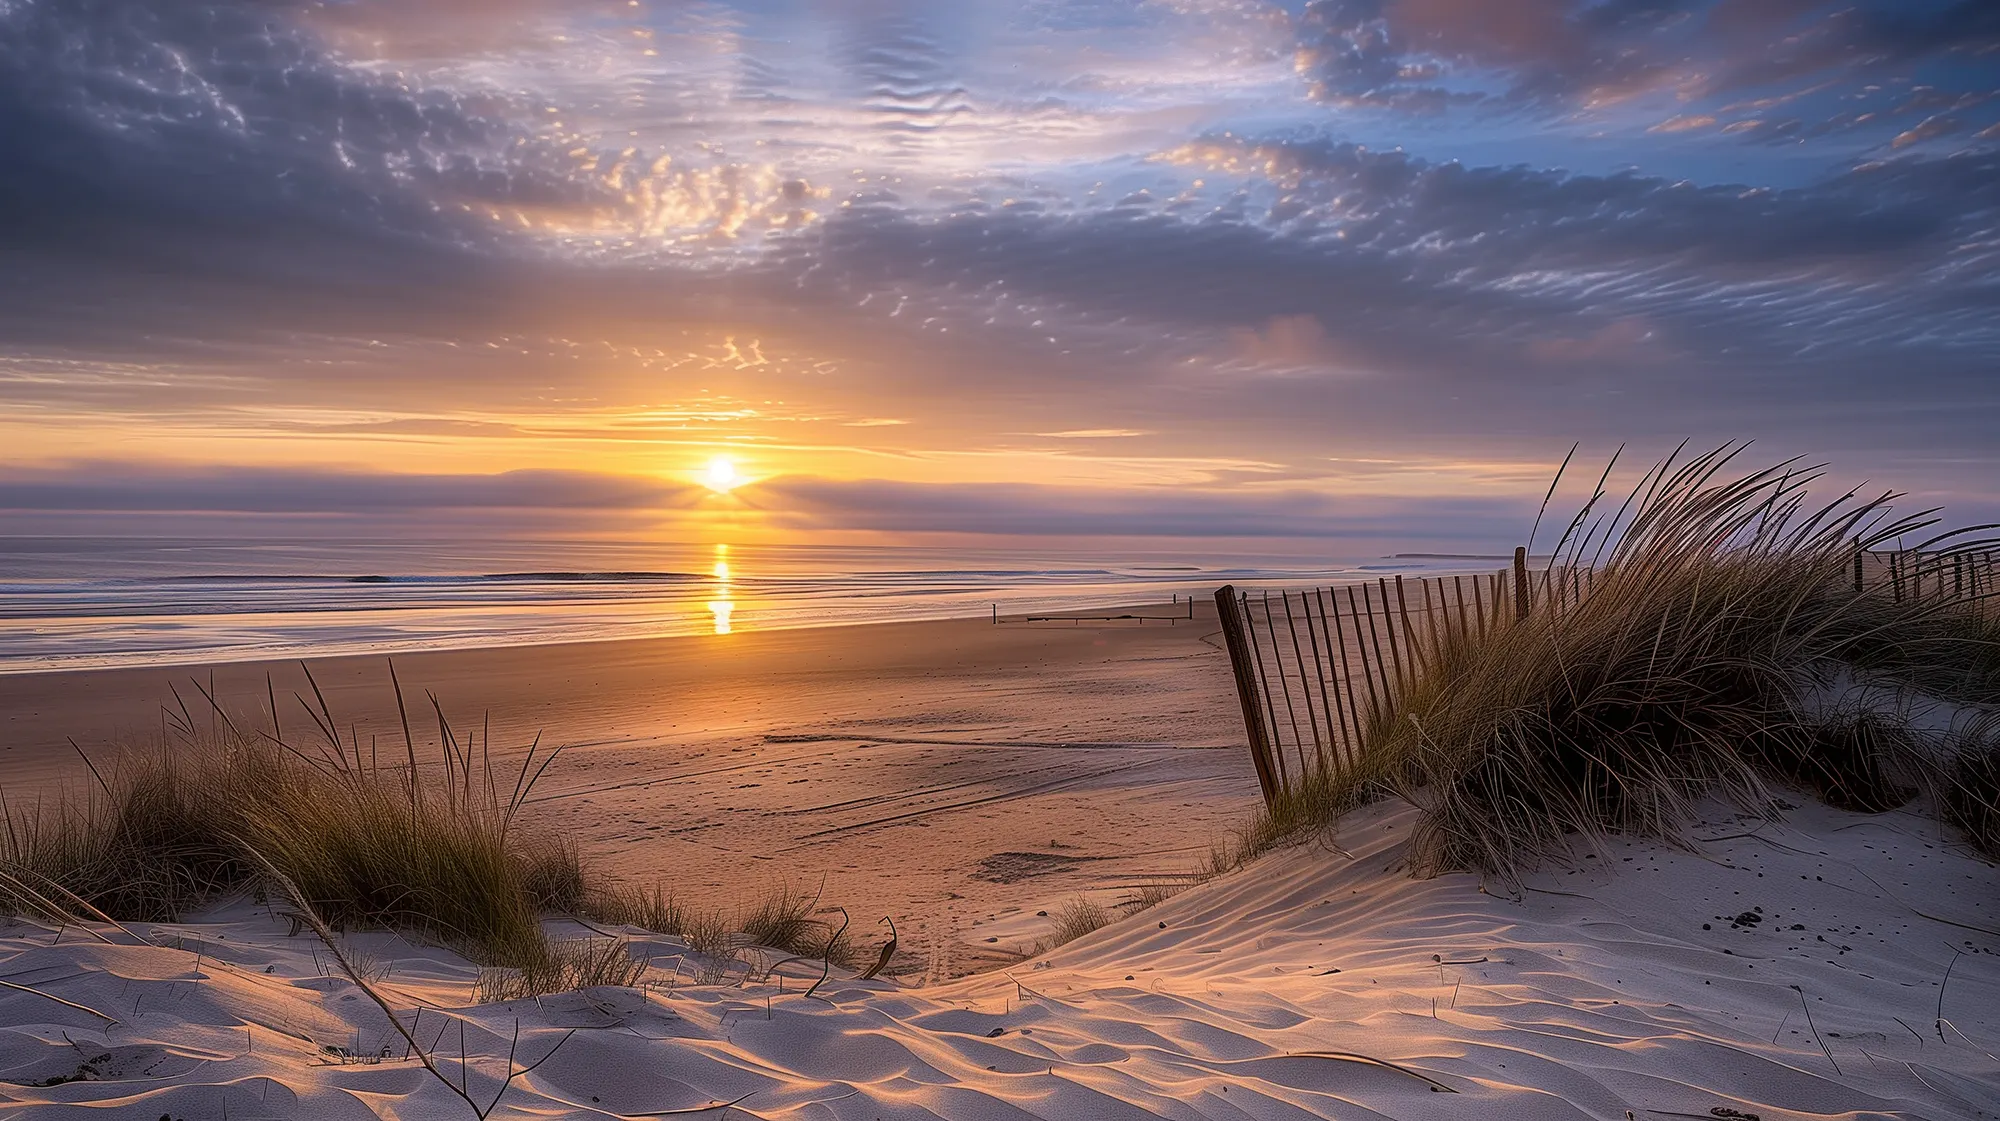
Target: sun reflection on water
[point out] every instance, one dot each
(724, 603)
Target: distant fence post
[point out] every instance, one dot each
(1520, 583)
(1236, 634)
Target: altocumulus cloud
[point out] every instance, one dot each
(214, 208)
(226, 500)
(109, 487)
(1051, 511)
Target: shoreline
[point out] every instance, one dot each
(142, 660)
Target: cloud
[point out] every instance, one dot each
(1559, 56)
(552, 228)
(1094, 434)
(1048, 511)
(101, 497)
(1929, 128)
(296, 493)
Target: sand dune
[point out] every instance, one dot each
(1635, 980)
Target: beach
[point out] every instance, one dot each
(948, 774)
(969, 782)
(1323, 982)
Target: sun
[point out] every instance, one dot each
(720, 475)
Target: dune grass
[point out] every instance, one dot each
(430, 841)
(1711, 657)
(430, 846)
(781, 919)
(656, 908)
(1074, 919)
(565, 966)
(1968, 785)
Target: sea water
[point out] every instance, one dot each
(77, 603)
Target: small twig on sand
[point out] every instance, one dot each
(826, 963)
(59, 1000)
(1020, 989)
(461, 1088)
(1815, 1030)
(685, 1111)
(1956, 954)
(1968, 1041)
(888, 951)
(1911, 1030)
(1351, 1057)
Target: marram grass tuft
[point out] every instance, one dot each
(1715, 655)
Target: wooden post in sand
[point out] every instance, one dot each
(1372, 662)
(1520, 583)
(1236, 636)
(1410, 639)
(1431, 614)
(1389, 628)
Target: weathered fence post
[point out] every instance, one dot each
(1389, 628)
(1236, 635)
(1520, 583)
(1479, 603)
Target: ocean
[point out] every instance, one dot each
(82, 603)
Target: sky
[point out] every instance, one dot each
(1029, 270)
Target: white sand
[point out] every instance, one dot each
(1599, 993)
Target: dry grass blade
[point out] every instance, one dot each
(358, 977)
(1345, 1057)
(687, 1111)
(882, 959)
(1815, 1028)
(1352, 1057)
(14, 878)
(59, 1000)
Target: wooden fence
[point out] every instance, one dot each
(1316, 668)
(1949, 575)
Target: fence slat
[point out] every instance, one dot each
(1412, 644)
(1347, 674)
(1371, 668)
(1389, 632)
(1520, 584)
(1264, 688)
(1478, 606)
(1437, 643)
(1305, 685)
(1236, 637)
(1278, 665)
(1329, 700)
